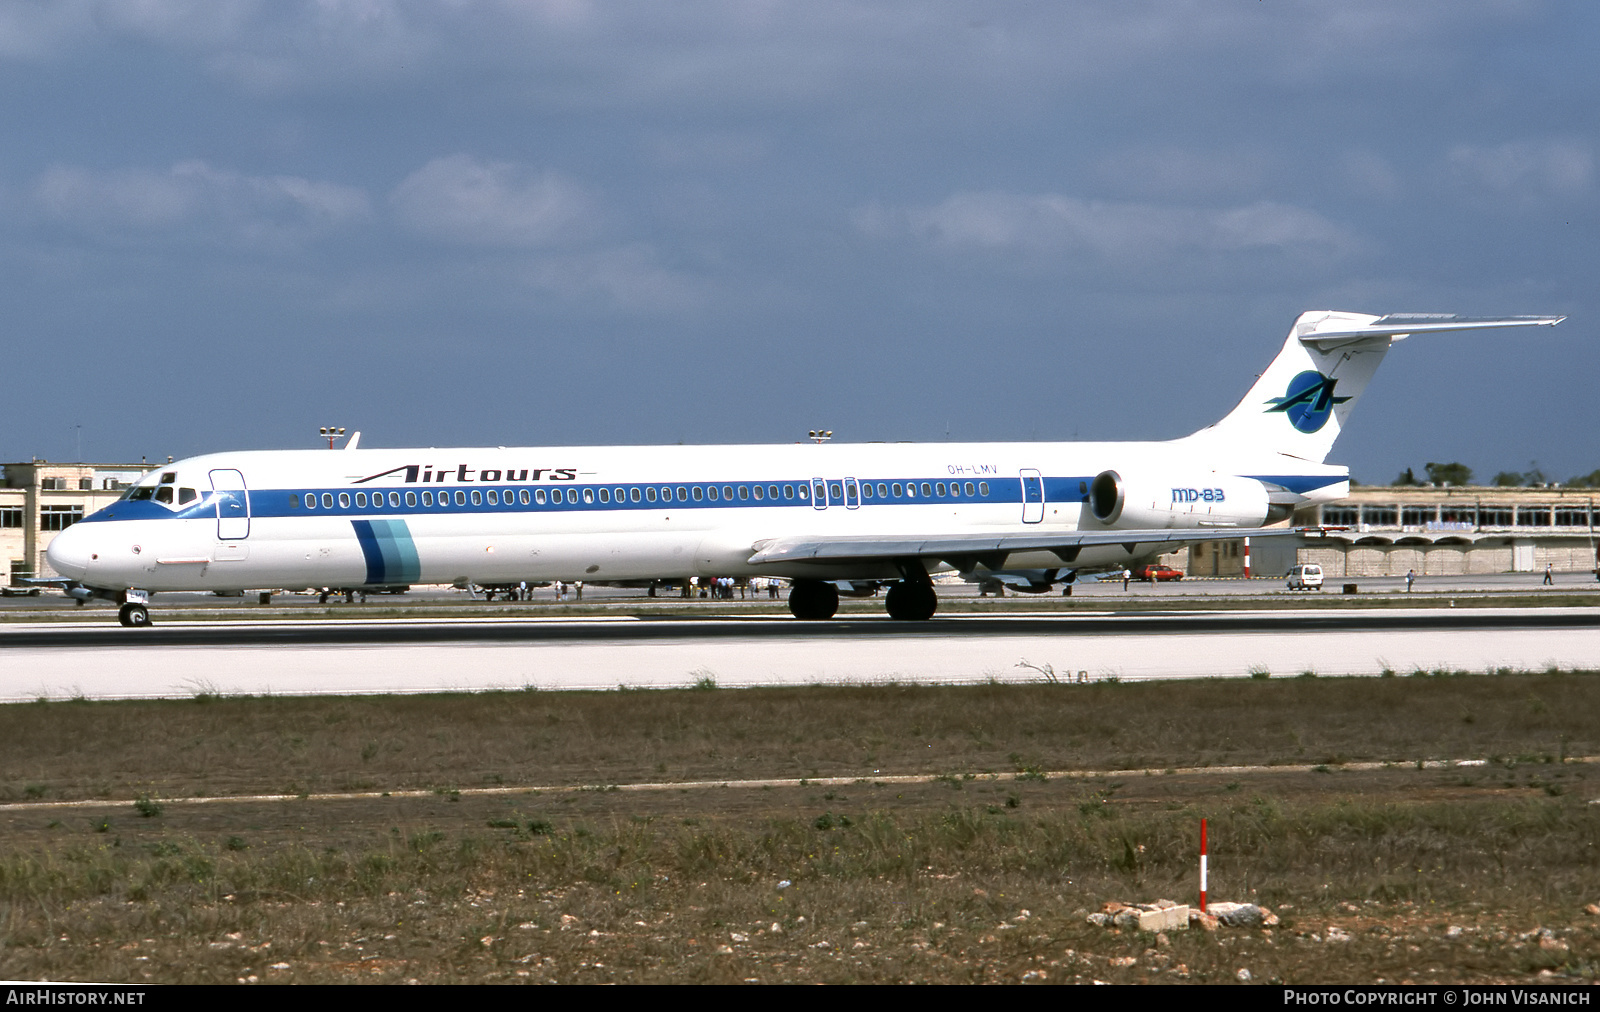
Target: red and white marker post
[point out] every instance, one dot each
(1247, 558)
(1202, 866)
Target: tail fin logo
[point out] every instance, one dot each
(1308, 402)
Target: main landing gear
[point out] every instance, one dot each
(134, 616)
(910, 600)
(813, 599)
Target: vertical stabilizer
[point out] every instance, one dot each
(1301, 403)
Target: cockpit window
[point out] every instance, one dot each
(168, 477)
(164, 494)
(187, 495)
(140, 492)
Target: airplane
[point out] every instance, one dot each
(822, 515)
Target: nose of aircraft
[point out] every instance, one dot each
(69, 553)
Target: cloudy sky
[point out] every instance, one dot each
(224, 223)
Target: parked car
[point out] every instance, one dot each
(1306, 577)
(1156, 573)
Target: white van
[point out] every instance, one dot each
(1305, 578)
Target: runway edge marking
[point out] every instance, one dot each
(920, 778)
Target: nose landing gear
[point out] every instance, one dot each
(134, 616)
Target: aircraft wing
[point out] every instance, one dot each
(991, 550)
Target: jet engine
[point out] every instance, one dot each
(1176, 500)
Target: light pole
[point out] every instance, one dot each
(331, 433)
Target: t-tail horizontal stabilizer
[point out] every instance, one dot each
(1299, 405)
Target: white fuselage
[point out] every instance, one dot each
(352, 518)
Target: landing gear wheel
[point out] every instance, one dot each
(134, 616)
(911, 602)
(813, 599)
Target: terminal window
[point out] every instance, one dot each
(11, 516)
(59, 518)
(1495, 516)
(1416, 516)
(1380, 516)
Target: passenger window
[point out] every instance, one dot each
(164, 494)
(394, 499)
(744, 492)
(683, 494)
(621, 494)
(727, 492)
(311, 500)
(344, 500)
(836, 491)
(969, 488)
(804, 491)
(477, 498)
(911, 490)
(927, 490)
(461, 498)
(633, 493)
(327, 500)
(983, 488)
(427, 499)
(788, 492)
(522, 497)
(605, 495)
(883, 490)
(898, 491)
(866, 490)
(757, 490)
(361, 499)
(294, 500)
(494, 497)
(538, 496)
(411, 499)
(772, 491)
(695, 491)
(187, 495)
(555, 496)
(650, 494)
(939, 489)
(711, 492)
(588, 495)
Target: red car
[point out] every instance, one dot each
(1156, 573)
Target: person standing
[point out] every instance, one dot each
(1411, 577)
(1548, 579)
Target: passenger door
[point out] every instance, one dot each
(1032, 496)
(233, 505)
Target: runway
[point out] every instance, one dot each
(294, 657)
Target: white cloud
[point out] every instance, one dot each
(1045, 225)
(1369, 174)
(1178, 172)
(1526, 168)
(627, 277)
(462, 200)
(195, 201)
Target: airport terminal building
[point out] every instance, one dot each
(39, 499)
(1434, 531)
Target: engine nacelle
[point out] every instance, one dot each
(1176, 500)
